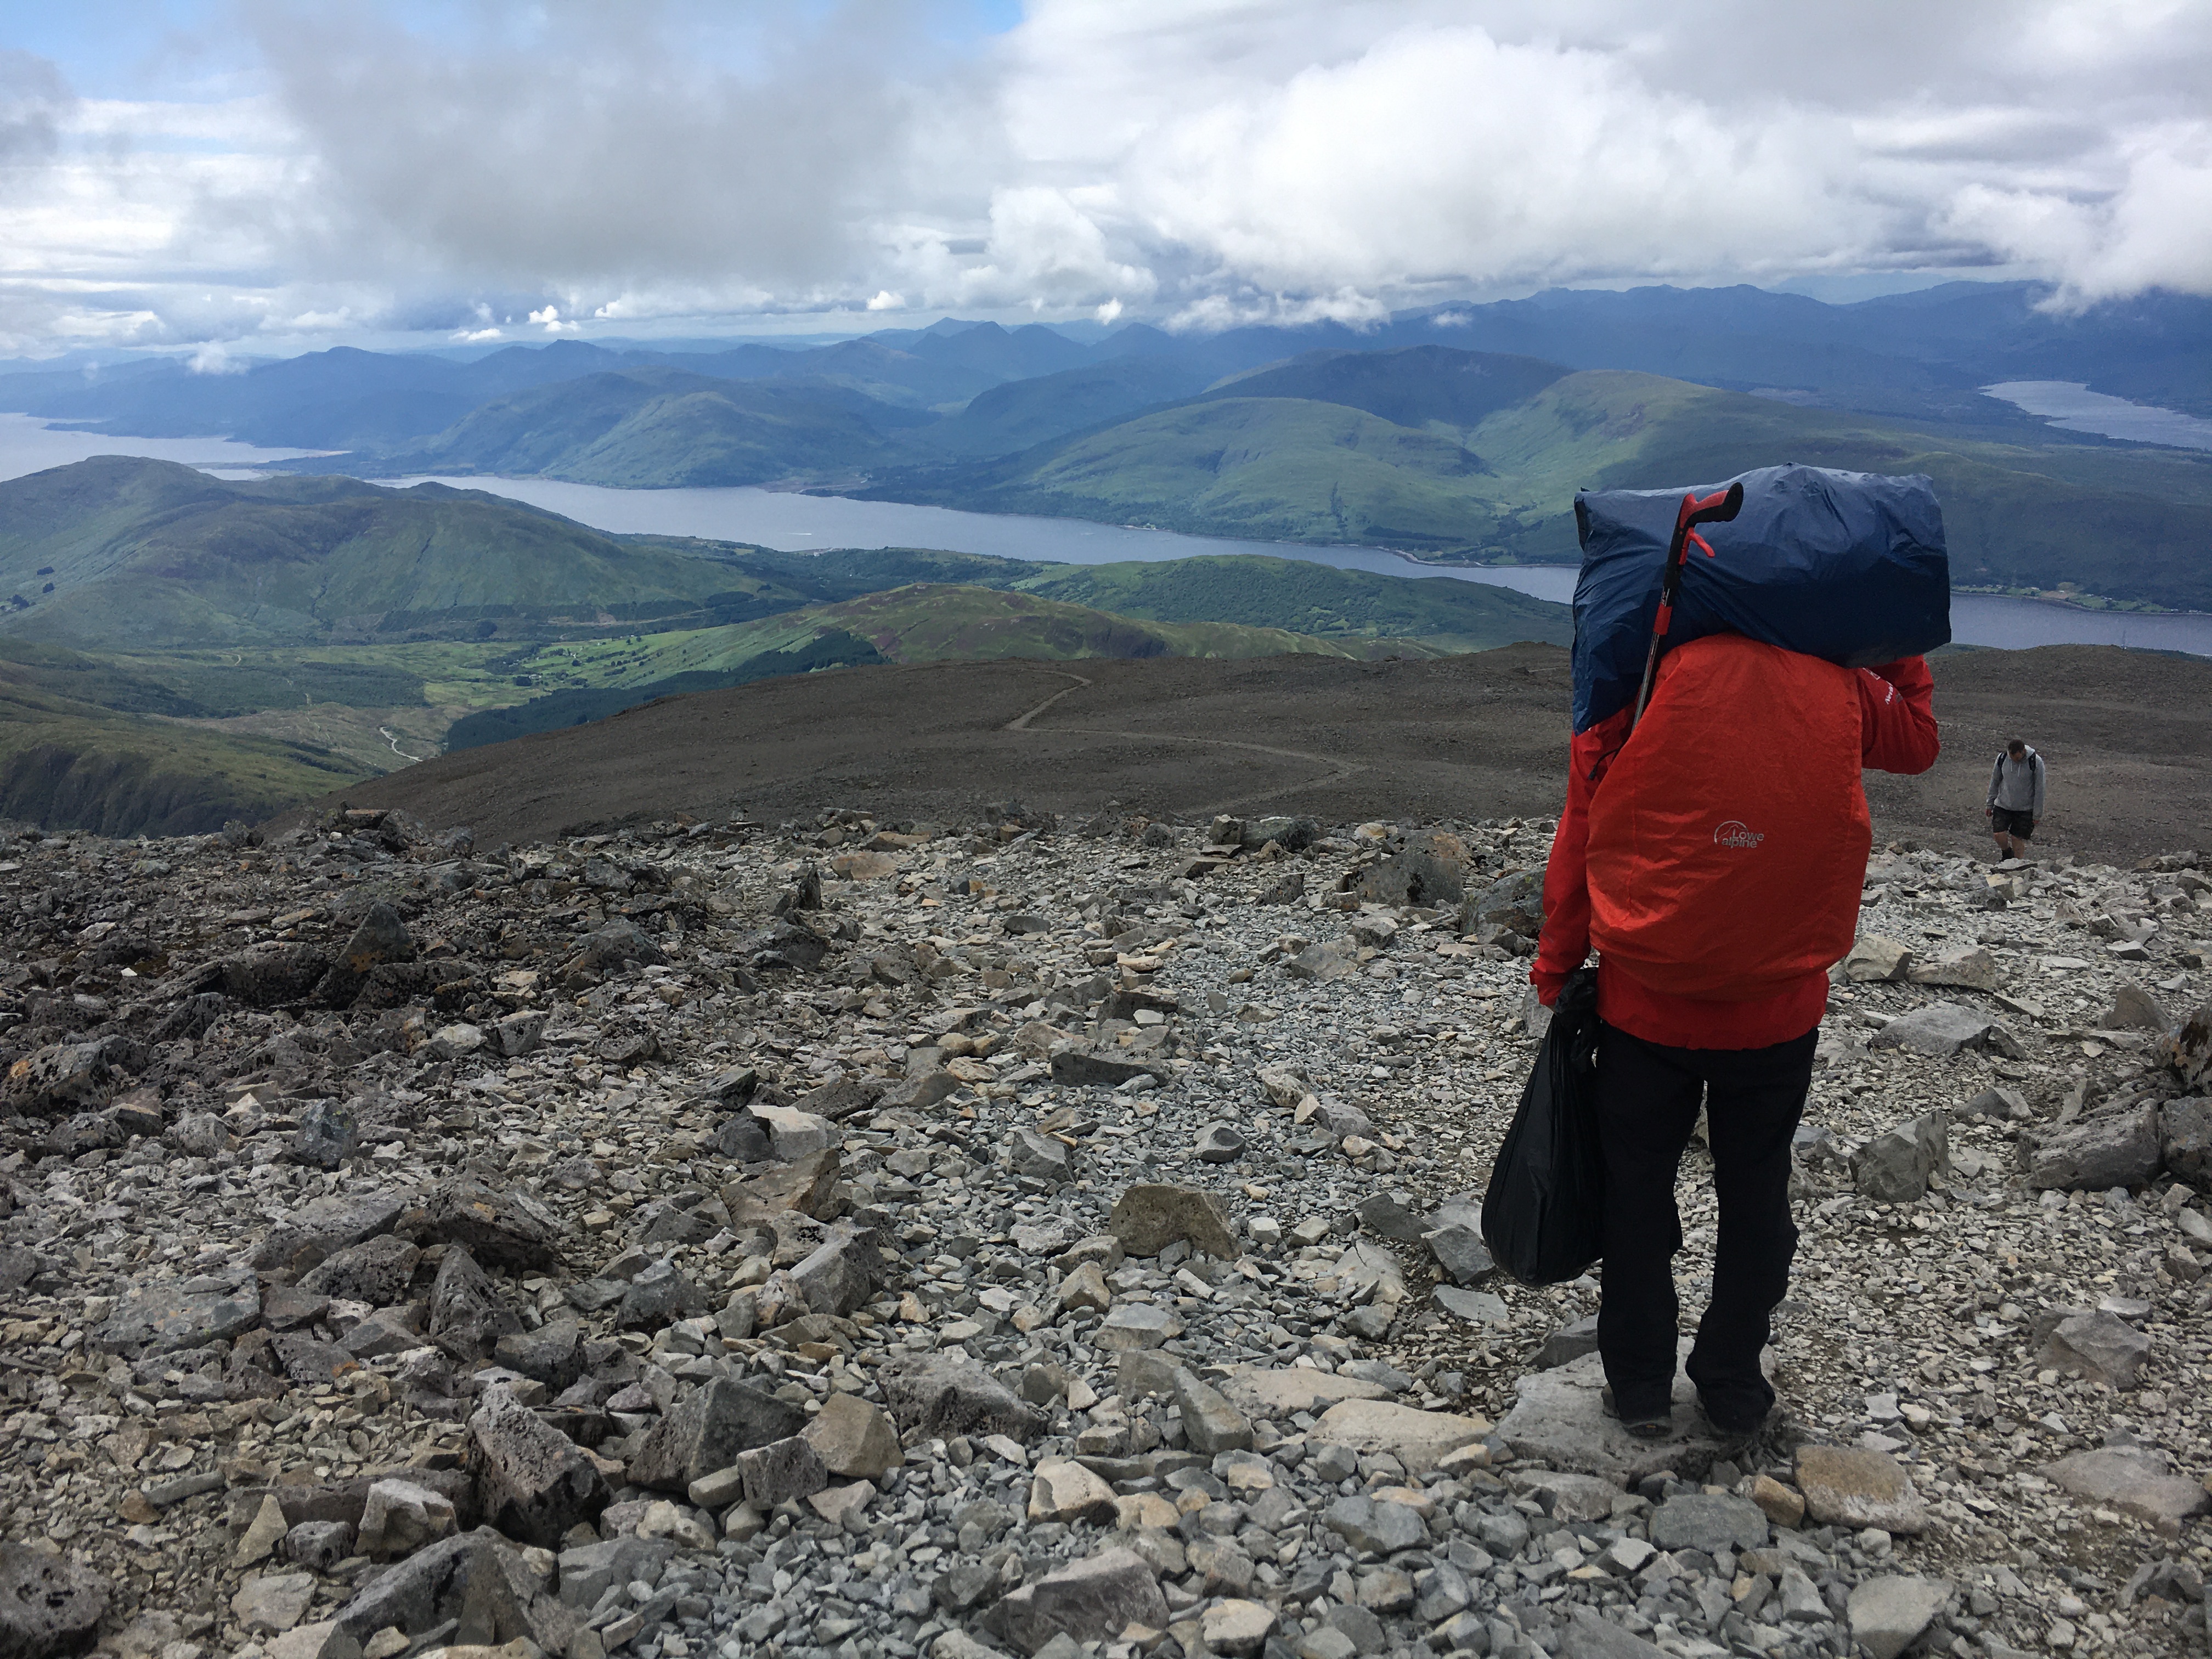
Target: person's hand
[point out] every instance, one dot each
(1988, 811)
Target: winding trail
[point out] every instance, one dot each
(1340, 767)
(392, 737)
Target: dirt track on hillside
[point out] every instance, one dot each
(2128, 736)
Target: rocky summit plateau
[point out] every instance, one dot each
(1055, 1237)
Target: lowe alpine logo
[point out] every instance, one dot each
(1734, 834)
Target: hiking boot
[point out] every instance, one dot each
(1654, 1423)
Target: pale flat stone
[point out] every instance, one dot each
(1887, 1613)
(1852, 1486)
(1063, 1489)
(1558, 1419)
(2135, 1480)
(1267, 1392)
(1416, 1438)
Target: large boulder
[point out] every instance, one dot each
(1151, 1216)
(2188, 1048)
(708, 1430)
(1895, 1167)
(1941, 1029)
(2110, 1148)
(49, 1604)
(944, 1396)
(2184, 1128)
(1516, 902)
(324, 1226)
(1093, 1600)
(504, 1230)
(534, 1483)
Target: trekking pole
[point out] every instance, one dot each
(1717, 508)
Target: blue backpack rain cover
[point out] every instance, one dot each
(1849, 567)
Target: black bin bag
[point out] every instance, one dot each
(1542, 1216)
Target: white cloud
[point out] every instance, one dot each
(213, 357)
(1200, 161)
(476, 336)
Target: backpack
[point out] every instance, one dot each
(1728, 837)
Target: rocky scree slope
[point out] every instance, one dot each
(852, 1241)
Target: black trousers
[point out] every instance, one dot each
(1648, 1098)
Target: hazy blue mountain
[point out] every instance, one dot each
(1408, 386)
(1022, 413)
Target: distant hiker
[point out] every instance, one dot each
(2015, 803)
(1713, 856)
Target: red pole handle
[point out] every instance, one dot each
(1718, 507)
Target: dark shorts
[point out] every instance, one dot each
(2004, 821)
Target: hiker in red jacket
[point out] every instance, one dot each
(1714, 860)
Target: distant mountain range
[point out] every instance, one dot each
(176, 649)
(1459, 433)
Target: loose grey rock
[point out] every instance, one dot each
(1376, 1528)
(1461, 1255)
(1210, 1424)
(461, 1579)
(323, 1226)
(1043, 1157)
(2184, 1128)
(781, 1471)
(842, 1272)
(329, 1134)
(1943, 1028)
(1567, 1343)
(1218, 1143)
(2135, 1480)
(168, 1319)
(660, 1293)
(503, 1229)
(2134, 1009)
(1853, 1487)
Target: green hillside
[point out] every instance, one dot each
(1271, 467)
(1319, 599)
(69, 763)
(657, 428)
(2128, 523)
(121, 554)
(922, 622)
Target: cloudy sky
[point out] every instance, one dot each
(250, 177)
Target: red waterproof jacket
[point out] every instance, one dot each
(1714, 858)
